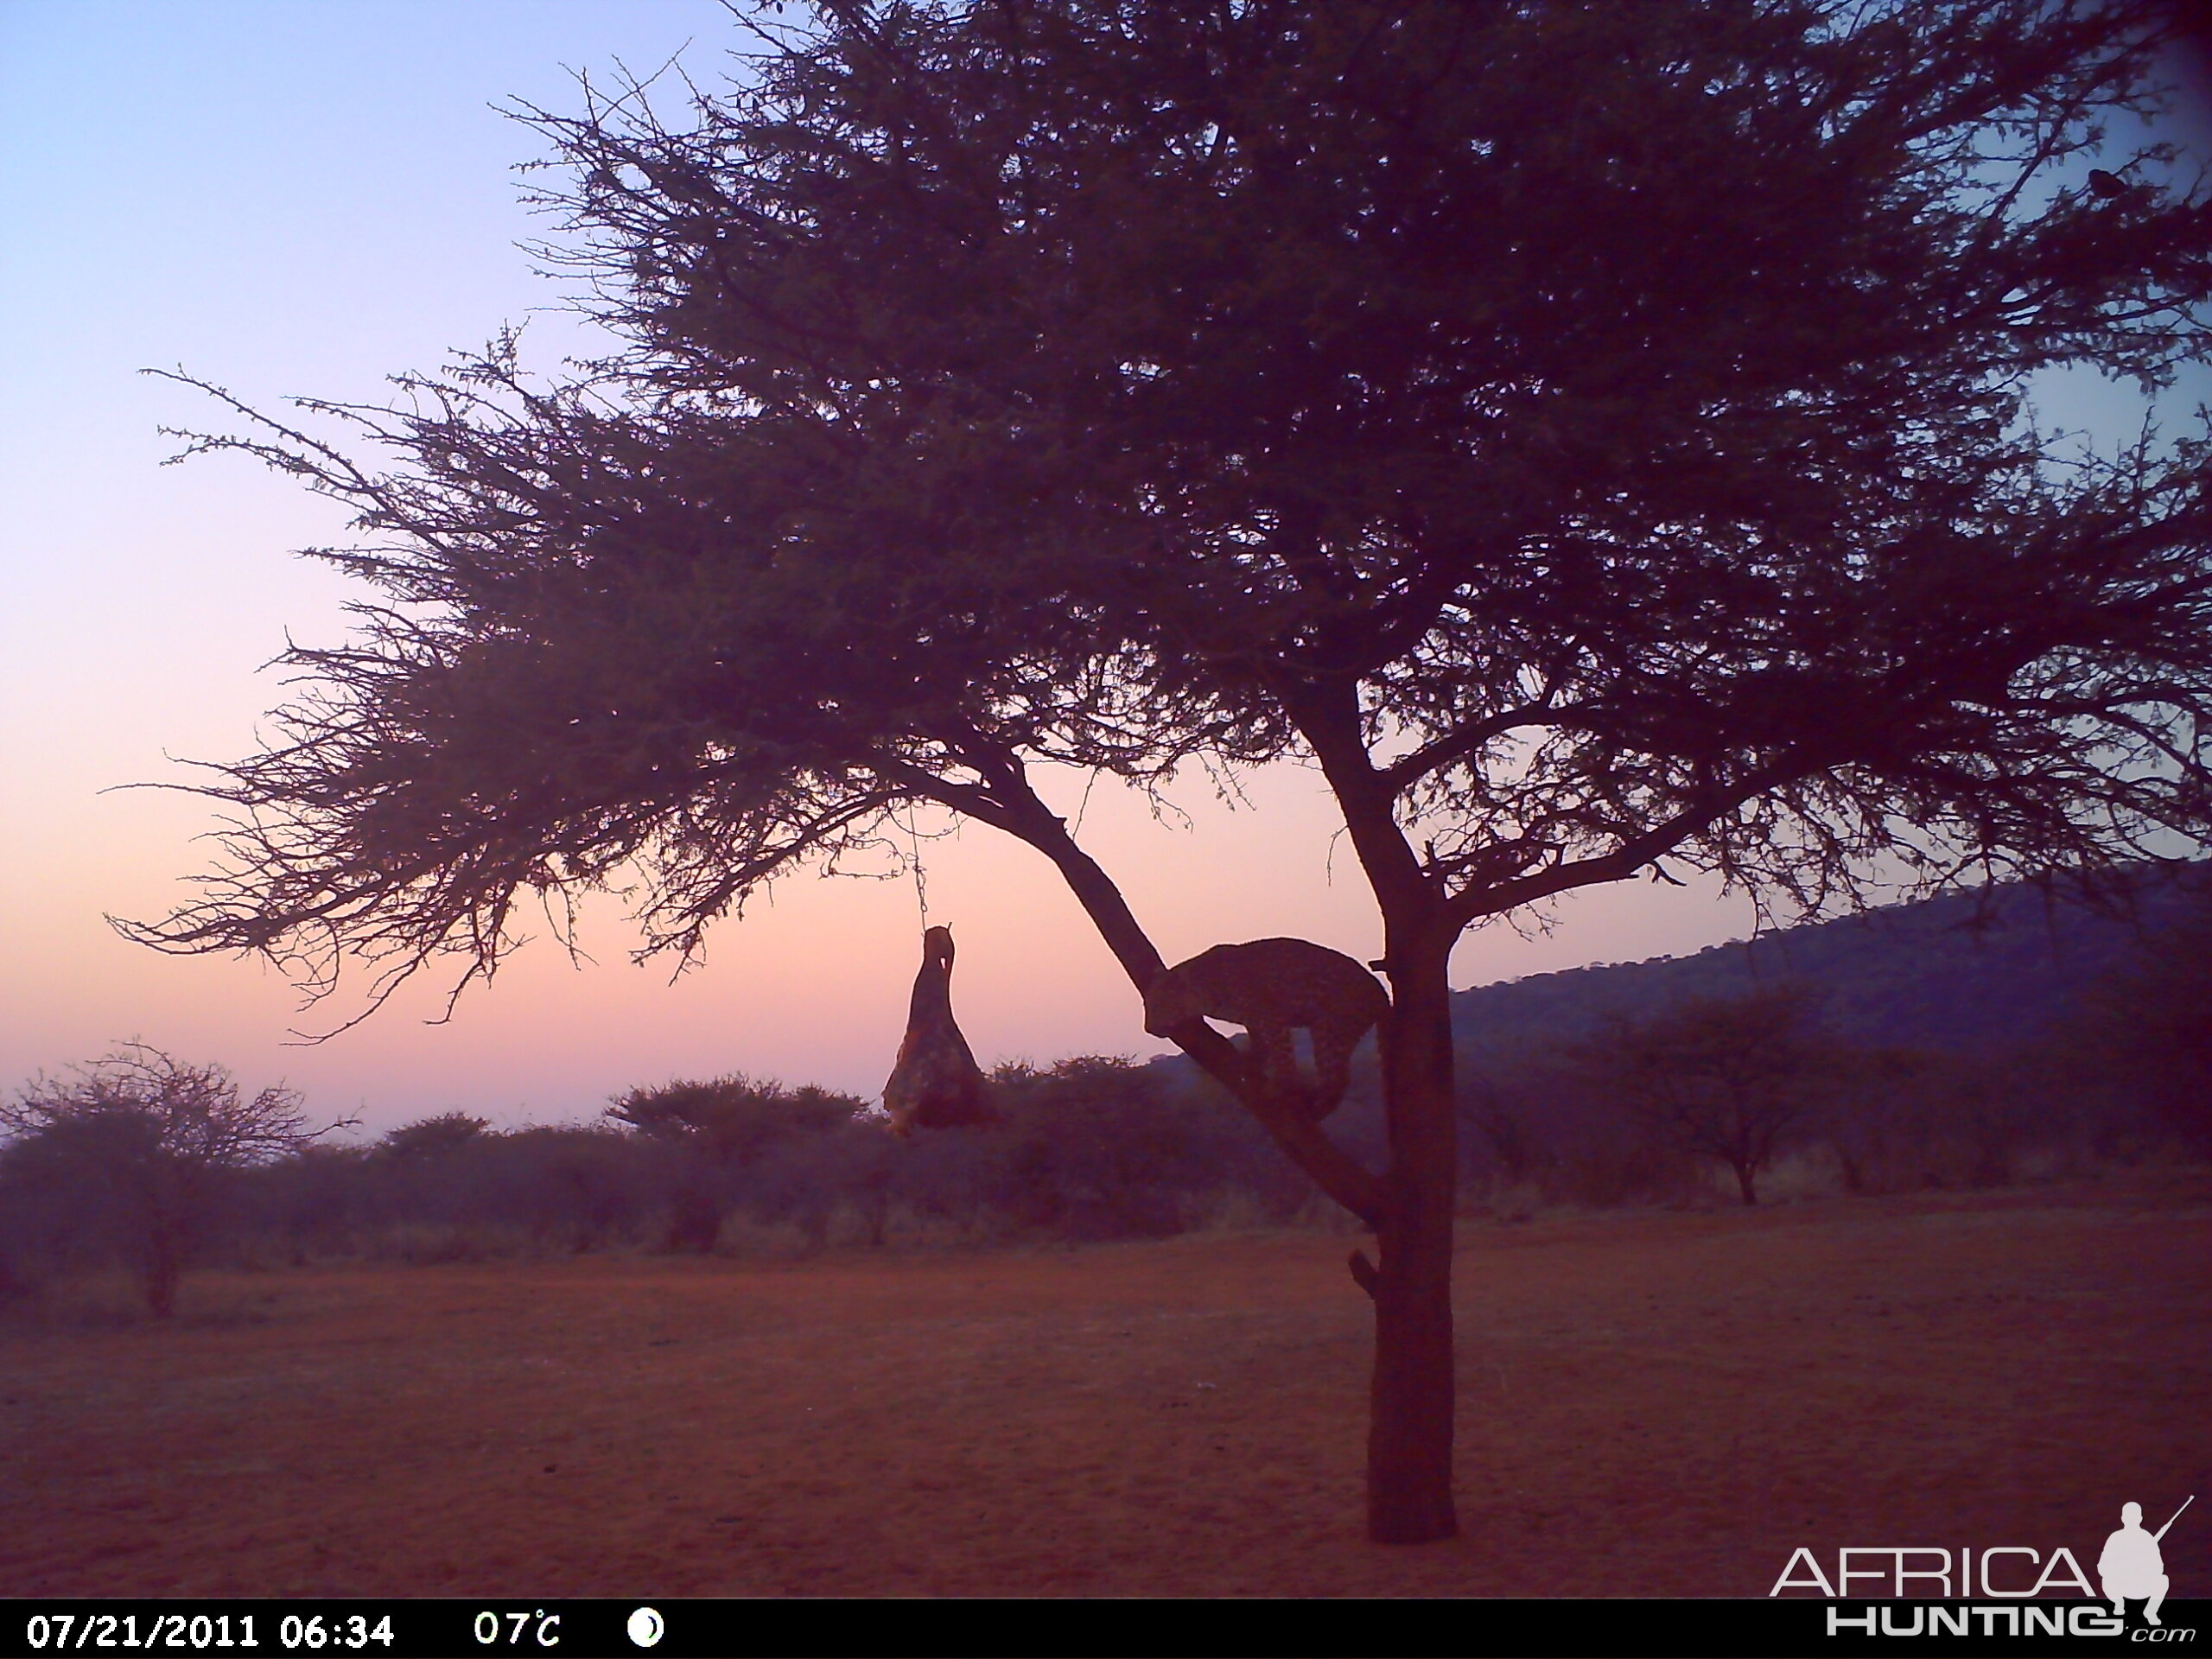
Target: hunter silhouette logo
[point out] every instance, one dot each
(2131, 1567)
(2010, 1577)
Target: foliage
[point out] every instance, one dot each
(2149, 1022)
(1092, 1149)
(1969, 973)
(1726, 1081)
(716, 1127)
(1100, 1148)
(1004, 384)
(734, 1117)
(127, 1156)
(434, 1137)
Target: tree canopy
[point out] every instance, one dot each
(1593, 435)
(735, 1117)
(1613, 416)
(1725, 1079)
(131, 1146)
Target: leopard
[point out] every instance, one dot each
(1271, 988)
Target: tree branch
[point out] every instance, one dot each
(1631, 855)
(1030, 820)
(1459, 744)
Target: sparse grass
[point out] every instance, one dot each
(1652, 1403)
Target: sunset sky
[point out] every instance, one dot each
(301, 199)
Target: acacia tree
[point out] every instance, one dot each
(1593, 435)
(430, 1138)
(132, 1147)
(719, 1125)
(1724, 1078)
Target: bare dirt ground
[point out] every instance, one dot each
(1650, 1404)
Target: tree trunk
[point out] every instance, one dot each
(1410, 1431)
(1743, 1178)
(1854, 1171)
(160, 1271)
(695, 1219)
(168, 1197)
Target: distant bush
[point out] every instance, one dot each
(433, 1137)
(734, 1118)
(2146, 1026)
(1093, 1147)
(1098, 1147)
(128, 1164)
(719, 1132)
(133, 1159)
(1539, 1125)
(1731, 1080)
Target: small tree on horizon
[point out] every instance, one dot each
(1592, 436)
(735, 1116)
(1727, 1079)
(436, 1136)
(136, 1144)
(722, 1125)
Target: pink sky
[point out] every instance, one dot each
(300, 199)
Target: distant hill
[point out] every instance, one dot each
(1915, 973)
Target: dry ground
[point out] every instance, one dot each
(1652, 1404)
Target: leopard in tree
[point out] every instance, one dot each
(1271, 988)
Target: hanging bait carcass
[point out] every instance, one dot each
(935, 1084)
